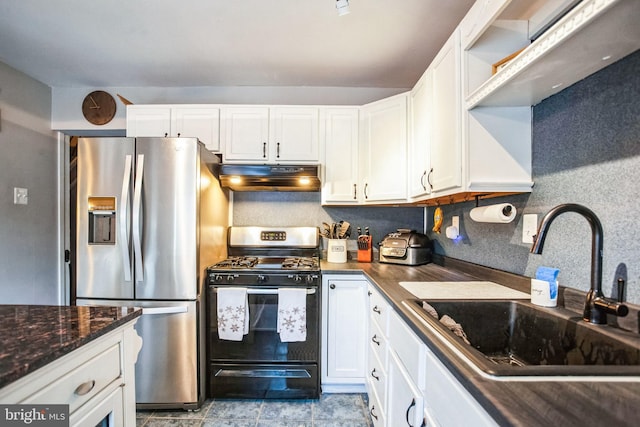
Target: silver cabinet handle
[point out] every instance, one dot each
(424, 174)
(84, 388)
(366, 187)
(429, 179)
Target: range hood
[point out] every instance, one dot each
(247, 177)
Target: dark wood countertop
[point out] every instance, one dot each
(32, 336)
(510, 403)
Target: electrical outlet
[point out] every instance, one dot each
(455, 222)
(20, 196)
(529, 227)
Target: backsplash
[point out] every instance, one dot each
(586, 150)
(304, 209)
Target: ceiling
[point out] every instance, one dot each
(190, 43)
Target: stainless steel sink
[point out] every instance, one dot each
(517, 338)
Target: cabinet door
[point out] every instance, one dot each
(346, 330)
(245, 132)
(202, 123)
(106, 410)
(405, 402)
(147, 120)
(294, 134)
(384, 151)
(420, 102)
(446, 140)
(340, 140)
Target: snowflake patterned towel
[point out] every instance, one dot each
(233, 313)
(292, 314)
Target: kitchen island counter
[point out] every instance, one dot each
(32, 336)
(565, 402)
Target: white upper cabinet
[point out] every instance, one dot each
(148, 120)
(446, 128)
(339, 136)
(199, 121)
(245, 133)
(202, 122)
(420, 115)
(294, 134)
(279, 134)
(383, 152)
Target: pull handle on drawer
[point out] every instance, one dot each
(373, 374)
(375, 339)
(84, 388)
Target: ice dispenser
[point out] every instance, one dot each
(102, 220)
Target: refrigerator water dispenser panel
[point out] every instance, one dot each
(102, 220)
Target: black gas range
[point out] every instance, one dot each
(261, 364)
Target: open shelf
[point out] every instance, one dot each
(591, 36)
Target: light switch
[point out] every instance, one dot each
(529, 227)
(20, 196)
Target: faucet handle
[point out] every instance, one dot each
(611, 307)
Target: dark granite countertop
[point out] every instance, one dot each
(513, 403)
(32, 336)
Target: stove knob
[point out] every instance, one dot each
(217, 278)
(297, 278)
(309, 278)
(261, 278)
(230, 278)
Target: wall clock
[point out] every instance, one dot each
(99, 107)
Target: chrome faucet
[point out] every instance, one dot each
(596, 306)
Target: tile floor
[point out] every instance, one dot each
(331, 410)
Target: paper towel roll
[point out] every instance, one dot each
(503, 213)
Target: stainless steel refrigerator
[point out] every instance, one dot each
(151, 216)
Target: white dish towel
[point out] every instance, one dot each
(233, 313)
(292, 314)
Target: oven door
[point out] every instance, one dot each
(262, 343)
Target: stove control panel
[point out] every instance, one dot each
(273, 236)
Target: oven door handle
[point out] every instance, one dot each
(256, 291)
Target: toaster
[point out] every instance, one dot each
(406, 247)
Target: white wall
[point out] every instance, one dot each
(29, 251)
(67, 114)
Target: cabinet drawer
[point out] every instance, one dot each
(377, 342)
(379, 310)
(376, 411)
(449, 401)
(377, 377)
(409, 348)
(80, 384)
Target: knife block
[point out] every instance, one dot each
(365, 254)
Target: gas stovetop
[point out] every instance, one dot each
(256, 263)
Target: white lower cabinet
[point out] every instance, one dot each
(448, 402)
(344, 333)
(97, 381)
(405, 405)
(407, 384)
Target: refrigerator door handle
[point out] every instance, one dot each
(124, 234)
(137, 207)
(164, 310)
